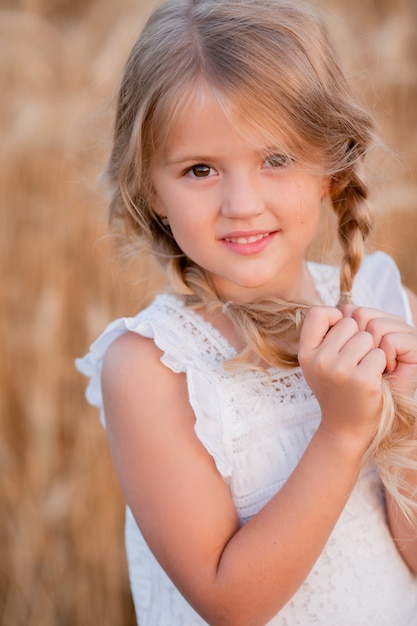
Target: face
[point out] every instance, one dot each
(244, 214)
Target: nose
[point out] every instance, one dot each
(242, 197)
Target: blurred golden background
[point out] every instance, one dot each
(61, 513)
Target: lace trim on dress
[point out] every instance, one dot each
(256, 425)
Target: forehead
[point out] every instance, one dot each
(203, 130)
(202, 104)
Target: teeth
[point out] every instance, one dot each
(250, 239)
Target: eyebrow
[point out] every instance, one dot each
(178, 159)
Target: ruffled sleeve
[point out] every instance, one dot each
(92, 363)
(180, 353)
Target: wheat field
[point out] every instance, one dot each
(61, 512)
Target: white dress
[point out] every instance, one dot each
(256, 427)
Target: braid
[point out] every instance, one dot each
(348, 193)
(393, 447)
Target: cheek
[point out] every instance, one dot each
(184, 225)
(308, 217)
(308, 206)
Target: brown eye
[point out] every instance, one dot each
(200, 170)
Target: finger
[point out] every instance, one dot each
(381, 327)
(341, 334)
(376, 322)
(356, 348)
(350, 359)
(373, 364)
(347, 309)
(317, 324)
(365, 316)
(399, 347)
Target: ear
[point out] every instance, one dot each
(325, 184)
(156, 204)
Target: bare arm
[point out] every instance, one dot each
(181, 503)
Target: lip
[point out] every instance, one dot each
(248, 242)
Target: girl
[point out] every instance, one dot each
(251, 419)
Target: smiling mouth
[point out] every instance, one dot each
(250, 239)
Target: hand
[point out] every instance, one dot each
(344, 368)
(397, 339)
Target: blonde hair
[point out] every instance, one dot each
(273, 63)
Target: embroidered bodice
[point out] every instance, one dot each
(256, 426)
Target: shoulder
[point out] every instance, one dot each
(129, 355)
(133, 373)
(140, 364)
(378, 284)
(378, 263)
(377, 280)
(378, 276)
(134, 342)
(412, 298)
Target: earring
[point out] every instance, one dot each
(165, 221)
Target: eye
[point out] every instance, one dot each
(277, 160)
(200, 171)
